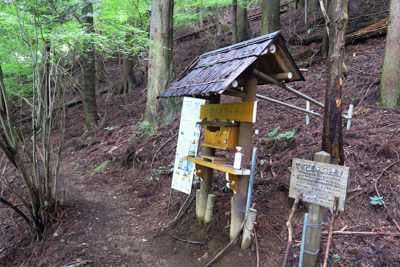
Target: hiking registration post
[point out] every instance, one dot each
(319, 183)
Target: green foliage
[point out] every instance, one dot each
(26, 27)
(224, 189)
(101, 168)
(377, 200)
(146, 128)
(164, 169)
(336, 257)
(274, 132)
(287, 135)
(190, 12)
(272, 135)
(112, 128)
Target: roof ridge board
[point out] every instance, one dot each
(253, 53)
(256, 40)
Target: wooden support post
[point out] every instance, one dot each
(197, 204)
(206, 184)
(246, 142)
(249, 228)
(314, 223)
(209, 209)
(349, 117)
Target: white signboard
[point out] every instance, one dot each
(188, 131)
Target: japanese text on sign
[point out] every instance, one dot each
(319, 182)
(223, 112)
(241, 111)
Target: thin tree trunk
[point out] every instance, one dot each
(325, 37)
(332, 136)
(234, 22)
(161, 69)
(100, 77)
(128, 73)
(11, 138)
(390, 83)
(270, 20)
(243, 26)
(89, 71)
(128, 76)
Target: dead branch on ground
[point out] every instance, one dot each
(290, 229)
(187, 241)
(155, 154)
(176, 219)
(230, 243)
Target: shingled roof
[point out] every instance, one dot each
(214, 72)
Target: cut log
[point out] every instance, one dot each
(374, 30)
(377, 29)
(66, 105)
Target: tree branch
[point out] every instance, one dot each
(20, 213)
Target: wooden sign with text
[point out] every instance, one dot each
(319, 182)
(240, 111)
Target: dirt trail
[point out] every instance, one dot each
(114, 230)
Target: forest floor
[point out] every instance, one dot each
(110, 218)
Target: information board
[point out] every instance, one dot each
(188, 131)
(319, 182)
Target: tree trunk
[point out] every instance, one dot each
(128, 72)
(390, 82)
(325, 37)
(332, 136)
(10, 138)
(243, 26)
(128, 75)
(234, 22)
(100, 77)
(161, 69)
(270, 20)
(89, 71)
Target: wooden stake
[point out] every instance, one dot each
(245, 141)
(210, 208)
(197, 204)
(349, 116)
(314, 223)
(328, 245)
(206, 184)
(257, 253)
(248, 229)
(232, 241)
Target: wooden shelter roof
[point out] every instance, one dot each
(214, 72)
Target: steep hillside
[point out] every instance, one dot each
(112, 214)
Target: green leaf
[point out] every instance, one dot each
(274, 132)
(288, 135)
